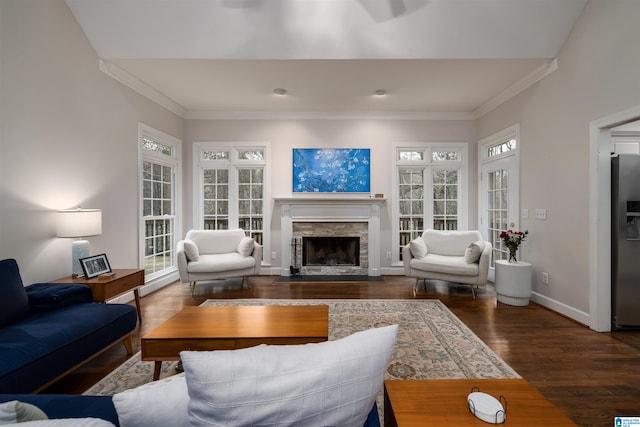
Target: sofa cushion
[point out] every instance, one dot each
(155, 404)
(209, 263)
(245, 247)
(15, 411)
(453, 243)
(14, 303)
(51, 296)
(445, 264)
(333, 383)
(474, 251)
(216, 241)
(191, 250)
(47, 343)
(418, 247)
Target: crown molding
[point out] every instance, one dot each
(527, 81)
(147, 91)
(313, 115)
(141, 87)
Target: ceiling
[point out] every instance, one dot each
(223, 58)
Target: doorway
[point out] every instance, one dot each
(600, 148)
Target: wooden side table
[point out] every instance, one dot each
(104, 289)
(444, 403)
(513, 282)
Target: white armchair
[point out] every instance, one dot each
(217, 254)
(454, 256)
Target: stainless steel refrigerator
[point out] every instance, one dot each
(625, 241)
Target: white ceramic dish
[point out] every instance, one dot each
(486, 407)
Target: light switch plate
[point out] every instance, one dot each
(525, 213)
(541, 214)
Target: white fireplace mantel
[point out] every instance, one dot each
(334, 209)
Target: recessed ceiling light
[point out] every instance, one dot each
(380, 92)
(280, 91)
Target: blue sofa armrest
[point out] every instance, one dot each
(51, 296)
(69, 406)
(74, 406)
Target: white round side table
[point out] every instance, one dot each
(513, 282)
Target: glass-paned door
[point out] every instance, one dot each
(251, 201)
(410, 204)
(215, 196)
(499, 192)
(445, 199)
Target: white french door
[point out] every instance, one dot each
(499, 190)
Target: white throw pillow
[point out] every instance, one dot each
(15, 411)
(191, 250)
(333, 383)
(418, 247)
(473, 251)
(156, 404)
(69, 422)
(245, 247)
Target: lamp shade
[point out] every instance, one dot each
(79, 223)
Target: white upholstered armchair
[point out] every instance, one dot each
(454, 256)
(217, 254)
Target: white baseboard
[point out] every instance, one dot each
(559, 307)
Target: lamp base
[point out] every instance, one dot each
(79, 249)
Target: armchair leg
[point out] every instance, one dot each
(193, 288)
(473, 292)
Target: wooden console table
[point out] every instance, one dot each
(104, 289)
(444, 403)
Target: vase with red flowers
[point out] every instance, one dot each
(512, 240)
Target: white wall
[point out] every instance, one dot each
(68, 138)
(284, 135)
(598, 75)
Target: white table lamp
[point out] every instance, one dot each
(79, 223)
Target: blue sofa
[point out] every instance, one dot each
(48, 330)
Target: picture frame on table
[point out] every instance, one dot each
(95, 265)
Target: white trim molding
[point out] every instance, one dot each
(529, 80)
(132, 82)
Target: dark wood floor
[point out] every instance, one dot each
(591, 376)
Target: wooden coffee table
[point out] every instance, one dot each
(444, 403)
(233, 327)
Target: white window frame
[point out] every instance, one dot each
(233, 164)
(174, 161)
(428, 165)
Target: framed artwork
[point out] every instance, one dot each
(94, 266)
(331, 170)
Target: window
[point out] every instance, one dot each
(159, 174)
(429, 189)
(230, 186)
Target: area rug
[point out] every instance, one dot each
(432, 342)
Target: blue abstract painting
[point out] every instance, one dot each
(331, 170)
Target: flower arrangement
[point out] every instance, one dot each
(512, 240)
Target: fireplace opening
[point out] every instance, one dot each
(330, 251)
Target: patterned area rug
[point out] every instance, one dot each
(432, 342)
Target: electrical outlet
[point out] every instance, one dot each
(545, 277)
(274, 255)
(388, 255)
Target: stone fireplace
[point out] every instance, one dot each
(350, 219)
